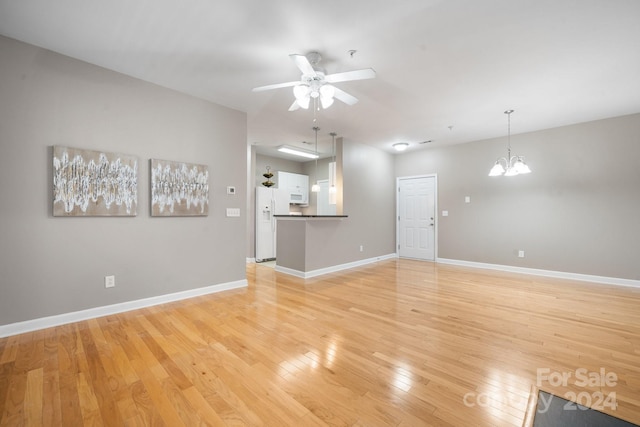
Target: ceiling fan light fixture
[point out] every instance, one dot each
(301, 91)
(326, 95)
(327, 91)
(303, 102)
(326, 102)
(314, 83)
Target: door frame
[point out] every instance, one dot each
(435, 208)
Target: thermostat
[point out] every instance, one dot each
(231, 190)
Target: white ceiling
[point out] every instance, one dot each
(446, 70)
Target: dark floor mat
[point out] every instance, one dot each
(554, 411)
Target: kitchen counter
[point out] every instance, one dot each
(306, 244)
(311, 216)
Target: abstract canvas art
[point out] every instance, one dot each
(94, 183)
(179, 189)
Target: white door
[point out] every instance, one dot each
(416, 217)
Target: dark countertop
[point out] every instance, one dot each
(310, 216)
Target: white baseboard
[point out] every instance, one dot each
(251, 260)
(91, 313)
(332, 269)
(545, 273)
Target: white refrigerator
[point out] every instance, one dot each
(269, 202)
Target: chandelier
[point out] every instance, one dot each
(510, 165)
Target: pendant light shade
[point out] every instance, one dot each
(332, 172)
(326, 95)
(315, 188)
(497, 169)
(510, 165)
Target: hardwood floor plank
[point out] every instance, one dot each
(100, 381)
(33, 398)
(147, 412)
(6, 373)
(51, 412)
(10, 349)
(153, 397)
(13, 413)
(88, 402)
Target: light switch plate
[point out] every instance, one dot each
(445, 213)
(233, 212)
(109, 281)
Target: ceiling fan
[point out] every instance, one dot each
(315, 84)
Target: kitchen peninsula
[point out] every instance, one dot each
(305, 244)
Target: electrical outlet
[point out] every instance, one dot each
(361, 248)
(520, 254)
(109, 281)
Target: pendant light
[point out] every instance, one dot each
(315, 188)
(510, 165)
(332, 178)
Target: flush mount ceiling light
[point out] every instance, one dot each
(510, 165)
(315, 84)
(400, 146)
(297, 152)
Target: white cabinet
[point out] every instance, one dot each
(296, 185)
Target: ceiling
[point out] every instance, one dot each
(446, 70)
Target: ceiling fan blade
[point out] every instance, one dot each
(275, 86)
(294, 106)
(367, 73)
(302, 62)
(344, 97)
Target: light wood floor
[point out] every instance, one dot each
(398, 343)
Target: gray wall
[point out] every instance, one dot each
(57, 265)
(577, 212)
(368, 185)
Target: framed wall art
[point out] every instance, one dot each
(94, 183)
(179, 189)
